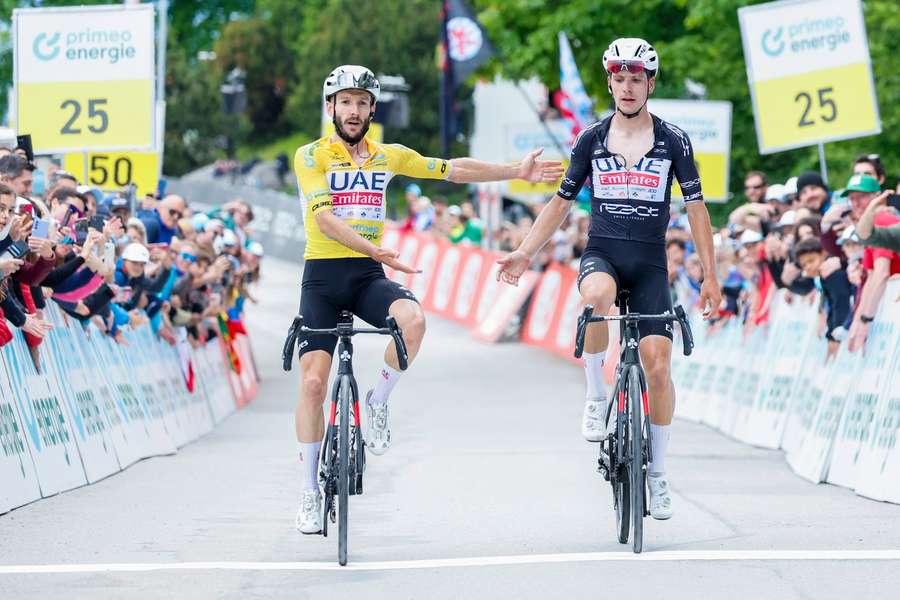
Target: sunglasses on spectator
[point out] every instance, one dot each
(74, 209)
(175, 213)
(755, 187)
(188, 257)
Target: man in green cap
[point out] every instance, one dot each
(879, 263)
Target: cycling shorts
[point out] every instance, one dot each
(639, 267)
(331, 285)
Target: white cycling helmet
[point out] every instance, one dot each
(351, 77)
(631, 52)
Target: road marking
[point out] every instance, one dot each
(451, 563)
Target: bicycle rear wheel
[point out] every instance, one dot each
(343, 473)
(619, 468)
(636, 469)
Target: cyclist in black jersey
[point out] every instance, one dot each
(630, 160)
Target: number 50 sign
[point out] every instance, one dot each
(809, 71)
(85, 77)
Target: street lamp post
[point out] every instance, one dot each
(234, 101)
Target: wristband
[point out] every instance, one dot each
(866, 319)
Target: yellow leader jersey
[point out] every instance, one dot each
(330, 180)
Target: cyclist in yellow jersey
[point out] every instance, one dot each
(343, 178)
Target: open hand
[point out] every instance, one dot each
(389, 257)
(539, 171)
(512, 266)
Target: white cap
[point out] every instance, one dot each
(229, 238)
(751, 237)
(788, 218)
(790, 186)
(136, 253)
(776, 191)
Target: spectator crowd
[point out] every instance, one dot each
(115, 261)
(800, 236)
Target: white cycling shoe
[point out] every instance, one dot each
(660, 497)
(309, 517)
(378, 432)
(593, 427)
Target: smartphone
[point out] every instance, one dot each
(24, 142)
(109, 253)
(81, 226)
(41, 228)
(18, 249)
(97, 222)
(26, 208)
(894, 201)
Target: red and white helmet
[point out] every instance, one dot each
(351, 77)
(632, 55)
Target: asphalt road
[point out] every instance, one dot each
(488, 492)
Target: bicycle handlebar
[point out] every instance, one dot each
(297, 328)
(587, 316)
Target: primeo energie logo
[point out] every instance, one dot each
(88, 44)
(805, 36)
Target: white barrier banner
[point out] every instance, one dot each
(48, 430)
(858, 421)
(813, 458)
(20, 482)
(766, 423)
(878, 465)
(687, 375)
(74, 380)
(156, 385)
(808, 392)
(114, 412)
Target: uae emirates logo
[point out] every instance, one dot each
(464, 38)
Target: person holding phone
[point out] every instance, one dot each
(887, 237)
(880, 263)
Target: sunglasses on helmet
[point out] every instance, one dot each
(629, 66)
(364, 82)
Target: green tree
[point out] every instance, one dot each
(195, 122)
(396, 38)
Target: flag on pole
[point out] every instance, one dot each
(464, 48)
(572, 100)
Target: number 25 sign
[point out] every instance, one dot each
(809, 71)
(85, 77)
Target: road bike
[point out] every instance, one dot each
(626, 451)
(343, 458)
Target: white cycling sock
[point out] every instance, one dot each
(387, 379)
(309, 465)
(593, 373)
(659, 441)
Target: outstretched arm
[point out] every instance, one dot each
(530, 168)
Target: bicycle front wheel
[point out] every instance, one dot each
(344, 397)
(620, 481)
(636, 469)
